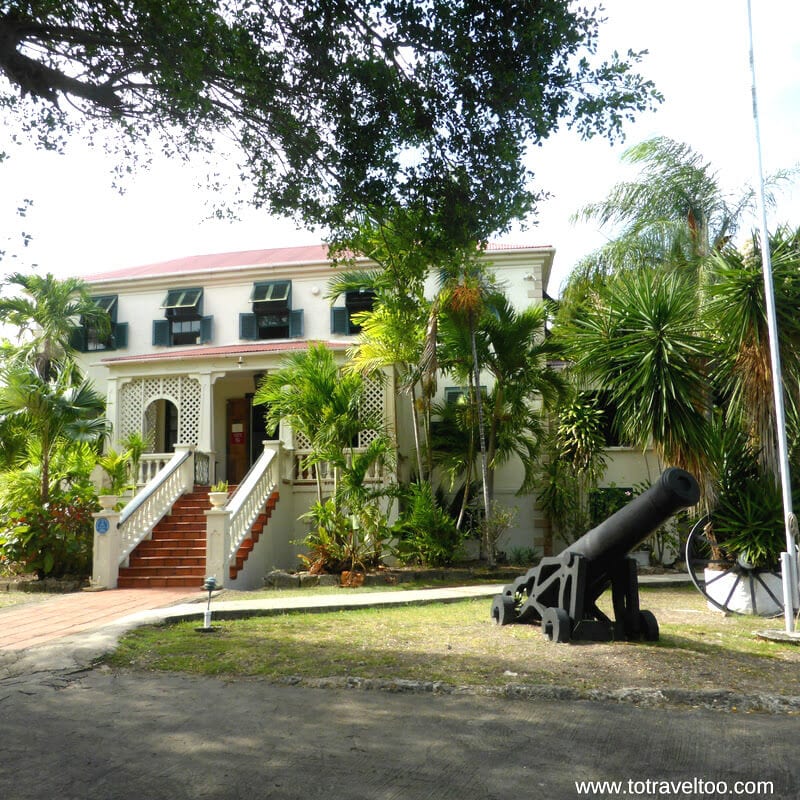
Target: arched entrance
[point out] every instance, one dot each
(161, 425)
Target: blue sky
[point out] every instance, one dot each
(698, 58)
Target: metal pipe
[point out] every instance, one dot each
(789, 576)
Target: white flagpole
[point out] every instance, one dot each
(789, 558)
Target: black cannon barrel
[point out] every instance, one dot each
(620, 533)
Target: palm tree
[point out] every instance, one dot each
(47, 312)
(643, 342)
(464, 285)
(63, 406)
(392, 333)
(672, 216)
(736, 309)
(513, 348)
(298, 393)
(518, 355)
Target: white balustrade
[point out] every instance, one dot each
(229, 526)
(142, 514)
(149, 466)
(302, 472)
(248, 501)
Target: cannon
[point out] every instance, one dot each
(561, 592)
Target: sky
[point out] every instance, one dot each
(698, 58)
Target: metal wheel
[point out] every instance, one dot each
(556, 625)
(648, 626)
(504, 610)
(704, 553)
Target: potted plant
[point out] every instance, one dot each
(218, 494)
(743, 540)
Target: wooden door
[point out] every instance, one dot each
(237, 431)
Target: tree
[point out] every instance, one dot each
(334, 106)
(321, 401)
(61, 407)
(464, 286)
(736, 309)
(392, 334)
(672, 216)
(47, 312)
(518, 353)
(512, 347)
(643, 342)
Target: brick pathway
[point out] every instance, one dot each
(34, 623)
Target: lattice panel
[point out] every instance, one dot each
(189, 411)
(301, 441)
(150, 422)
(372, 404)
(137, 412)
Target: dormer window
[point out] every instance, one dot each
(355, 301)
(88, 338)
(272, 316)
(183, 321)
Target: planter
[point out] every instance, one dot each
(749, 594)
(218, 499)
(107, 501)
(352, 579)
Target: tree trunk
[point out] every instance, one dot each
(490, 556)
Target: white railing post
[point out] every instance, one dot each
(106, 547)
(217, 544)
(187, 467)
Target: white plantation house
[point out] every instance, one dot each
(191, 338)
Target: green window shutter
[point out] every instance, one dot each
(206, 329)
(296, 324)
(119, 335)
(248, 328)
(340, 320)
(161, 333)
(77, 339)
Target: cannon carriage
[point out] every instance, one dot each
(561, 592)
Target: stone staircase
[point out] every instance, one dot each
(176, 553)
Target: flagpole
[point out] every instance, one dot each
(789, 558)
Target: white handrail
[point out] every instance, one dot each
(248, 501)
(142, 514)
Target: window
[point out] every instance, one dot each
(89, 339)
(272, 316)
(455, 395)
(354, 302)
(183, 321)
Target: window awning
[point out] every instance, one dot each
(182, 298)
(271, 292)
(106, 303)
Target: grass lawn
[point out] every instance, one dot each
(457, 644)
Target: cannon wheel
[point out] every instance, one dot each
(504, 610)
(648, 626)
(556, 625)
(700, 554)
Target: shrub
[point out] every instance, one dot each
(52, 541)
(335, 544)
(426, 533)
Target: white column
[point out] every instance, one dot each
(105, 548)
(217, 544)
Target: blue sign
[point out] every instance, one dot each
(101, 525)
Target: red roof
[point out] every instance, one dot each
(225, 350)
(276, 256)
(246, 258)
